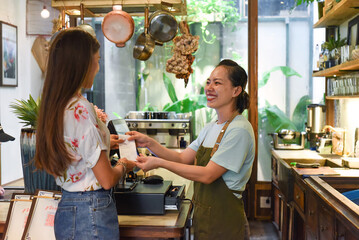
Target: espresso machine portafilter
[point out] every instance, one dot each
(315, 123)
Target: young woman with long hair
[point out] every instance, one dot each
(73, 145)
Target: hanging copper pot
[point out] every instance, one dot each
(84, 26)
(144, 44)
(118, 26)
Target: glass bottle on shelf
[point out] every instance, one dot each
(316, 58)
(326, 58)
(321, 58)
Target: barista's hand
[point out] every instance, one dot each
(142, 140)
(147, 163)
(115, 141)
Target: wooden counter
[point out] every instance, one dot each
(173, 224)
(296, 154)
(170, 225)
(310, 206)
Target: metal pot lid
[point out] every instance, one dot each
(163, 26)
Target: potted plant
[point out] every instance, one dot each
(27, 112)
(333, 47)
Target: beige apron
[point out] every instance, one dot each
(218, 214)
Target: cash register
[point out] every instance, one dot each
(139, 198)
(135, 196)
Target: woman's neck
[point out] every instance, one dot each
(224, 116)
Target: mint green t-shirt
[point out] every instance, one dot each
(236, 150)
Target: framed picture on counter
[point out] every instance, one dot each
(40, 222)
(8, 49)
(17, 215)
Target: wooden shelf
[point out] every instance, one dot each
(338, 70)
(340, 13)
(99, 8)
(341, 97)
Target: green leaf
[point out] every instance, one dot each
(26, 110)
(116, 115)
(278, 119)
(188, 104)
(300, 113)
(287, 71)
(170, 89)
(174, 107)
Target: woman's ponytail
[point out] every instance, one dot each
(243, 101)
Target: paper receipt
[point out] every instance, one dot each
(127, 148)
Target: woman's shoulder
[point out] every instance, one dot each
(80, 110)
(239, 123)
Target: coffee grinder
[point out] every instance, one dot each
(315, 123)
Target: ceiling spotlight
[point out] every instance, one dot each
(45, 13)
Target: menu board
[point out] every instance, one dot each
(40, 223)
(17, 216)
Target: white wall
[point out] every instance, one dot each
(120, 82)
(29, 82)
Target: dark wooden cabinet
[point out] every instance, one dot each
(299, 196)
(281, 213)
(343, 233)
(280, 207)
(311, 216)
(309, 234)
(326, 223)
(315, 209)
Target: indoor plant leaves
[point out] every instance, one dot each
(287, 71)
(300, 113)
(170, 89)
(26, 110)
(278, 119)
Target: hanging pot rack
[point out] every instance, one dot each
(99, 8)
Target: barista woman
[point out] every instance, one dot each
(73, 145)
(220, 158)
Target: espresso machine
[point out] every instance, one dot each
(315, 123)
(167, 128)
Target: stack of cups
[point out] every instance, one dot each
(343, 86)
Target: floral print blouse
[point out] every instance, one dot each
(85, 137)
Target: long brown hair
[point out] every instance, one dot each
(69, 61)
(238, 77)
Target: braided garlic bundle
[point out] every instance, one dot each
(182, 59)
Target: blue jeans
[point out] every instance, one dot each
(86, 215)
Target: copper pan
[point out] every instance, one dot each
(118, 26)
(144, 44)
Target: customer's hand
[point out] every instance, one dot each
(2, 191)
(147, 163)
(128, 163)
(142, 140)
(115, 141)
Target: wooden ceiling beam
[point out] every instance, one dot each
(99, 8)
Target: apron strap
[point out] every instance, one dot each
(236, 191)
(221, 134)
